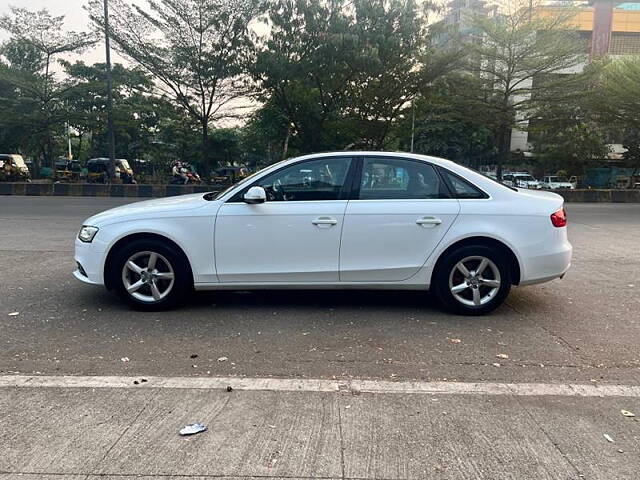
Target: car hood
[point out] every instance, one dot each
(149, 208)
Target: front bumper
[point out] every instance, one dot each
(90, 256)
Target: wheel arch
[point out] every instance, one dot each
(509, 254)
(108, 273)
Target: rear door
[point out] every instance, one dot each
(399, 212)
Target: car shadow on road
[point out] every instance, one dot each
(317, 298)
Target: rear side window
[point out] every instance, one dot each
(460, 187)
(391, 179)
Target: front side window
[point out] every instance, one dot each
(390, 178)
(321, 179)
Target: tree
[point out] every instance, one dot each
(341, 72)
(572, 147)
(41, 38)
(23, 55)
(617, 93)
(194, 49)
(520, 59)
(395, 62)
(444, 124)
(136, 113)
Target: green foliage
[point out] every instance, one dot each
(618, 93)
(447, 127)
(520, 58)
(568, 140)
(34, 95)
(342, 73)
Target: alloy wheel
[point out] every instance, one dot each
(148, 276)
(474, 281)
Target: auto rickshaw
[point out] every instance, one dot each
(13, 168)
(98, 170)
(67, 170)
(230, 174)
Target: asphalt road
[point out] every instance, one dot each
(585, 328)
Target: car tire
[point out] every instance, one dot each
(150, 275)
(472, 280)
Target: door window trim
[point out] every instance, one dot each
(345, 190)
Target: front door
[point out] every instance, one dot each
(295, 235)
(397, 218)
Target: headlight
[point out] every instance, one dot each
(87, 233)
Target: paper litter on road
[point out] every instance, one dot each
(607, 437)
(627, 413)
(192, 429)
(13, 314)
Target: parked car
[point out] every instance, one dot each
(334, 220)
(521, 180)
(13, 168)
(557, 183)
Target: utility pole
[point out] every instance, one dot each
(413, 123)
(69, 152)
(110, 136)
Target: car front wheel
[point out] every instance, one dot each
(150, 275)
(472, 280)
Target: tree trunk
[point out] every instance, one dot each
(205, 151)
(504, 144)
(285, 147)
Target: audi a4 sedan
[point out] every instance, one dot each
(365, 220)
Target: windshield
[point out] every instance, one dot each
(19, 161)
(558, 179)
(525, 178)
(124, 164)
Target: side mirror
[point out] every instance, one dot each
(255, 195)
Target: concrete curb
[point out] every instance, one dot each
(116, 190)
(600, 196)
(101, 190)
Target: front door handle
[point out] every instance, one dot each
(428, 221)
(324, 221)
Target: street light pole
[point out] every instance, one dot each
(110, 136)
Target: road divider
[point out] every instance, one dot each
(144, 190)
(102, 190)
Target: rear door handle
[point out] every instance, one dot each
(428, 221)
(324, 221)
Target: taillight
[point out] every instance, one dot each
(559, 218)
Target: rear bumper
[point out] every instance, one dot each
(546, 267)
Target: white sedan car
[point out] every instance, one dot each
(334, 220)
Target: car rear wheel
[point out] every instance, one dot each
(150, 275)
(472, 280)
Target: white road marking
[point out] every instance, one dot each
(309, 385)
